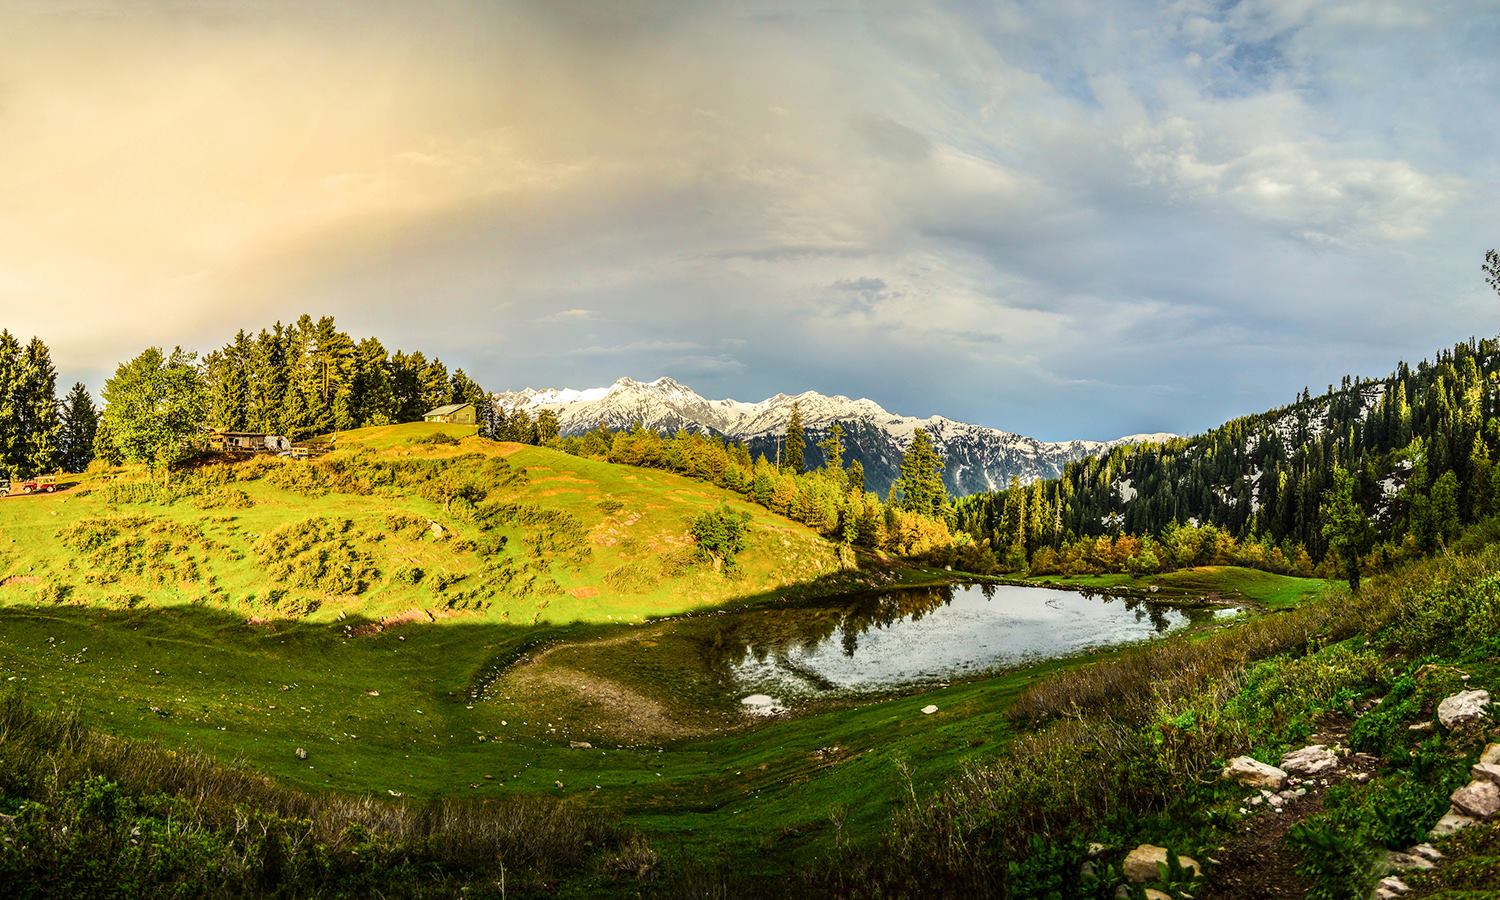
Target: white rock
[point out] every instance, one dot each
(1480, 799)
(929, 709)
(1313, 760)
(1463, 708)
(760, 705)
(1426, 851)
(1451, 822)
(1154, 894)
(1390, 888)
(1401, 862)
(1249, 771)
(1491, 754)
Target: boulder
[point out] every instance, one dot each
(1141, 864)
(1401, 862)
(929, 709)
(1426, 851)
(1254, 773)
(1451, 822)
(1154, 894)
(1485, 772)
(1463, 708)
(1480, 799)
(1390, 888)
(1312, 760)
(1491, 754)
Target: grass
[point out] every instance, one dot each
(1230, 583)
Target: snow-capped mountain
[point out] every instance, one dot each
(977, 458)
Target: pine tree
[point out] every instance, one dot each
(856, 476)
(547, 427)
(373, 391)
(796, 443)
(833, 448)
(80, 425)
(1491, 269)
(920, 486)
(1346, 528)
(11, 447)
(36, 402)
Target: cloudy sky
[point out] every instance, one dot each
(1067, 219)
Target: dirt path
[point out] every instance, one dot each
(1257, 864)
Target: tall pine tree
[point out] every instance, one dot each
(796, 442)
(80, 425)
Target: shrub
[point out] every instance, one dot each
(720, 535)
(317, 554)
(409, 575)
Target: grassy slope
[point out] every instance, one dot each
(1228, 582)
(651, 522)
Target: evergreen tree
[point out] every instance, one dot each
(36, 403)
(547, 428)
(11, 447)
(1491, 269)
(373, 391)
(856, 476)
(432, 382)
(80, 425)
(920, 487)
(796, 443)
(833, 448)
(1346, 528)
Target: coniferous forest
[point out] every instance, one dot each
(1419, 448)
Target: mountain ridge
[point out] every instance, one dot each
(977, 457)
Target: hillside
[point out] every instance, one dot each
(410, 521)
(976, 458)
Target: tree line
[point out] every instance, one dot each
(1360, 477)
(40, 433)
(310, 378)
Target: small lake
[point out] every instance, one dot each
(894, 639)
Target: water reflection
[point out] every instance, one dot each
(883, 640)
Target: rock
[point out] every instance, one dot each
(1254, 773)
(580, 745)
(1313, 760)
(1400, 862)
(1426, 851)
(1095, 848)
(1141, 863)
(301, 753)
(559, 784)
(1463, 708)
(929, 709)
(1154, 894)
(760, 705)
(1485, 772)
(1451, 822)
(1390, 888)
(1480, 799)
(435, 529)
(1422, 726)
(1491, 754)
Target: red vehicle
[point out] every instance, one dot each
(44, 484)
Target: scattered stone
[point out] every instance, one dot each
(1312, 760)
(1491, 754)
(760, 705)
(301, 753)
(559, 784)
(1390, 888)
(1463, 708)
(1086, 871)
(1422, 726)
(159, 711)
(1401, 862)
(1480, 799)
(1096, 848)
(1485, 772)
(1451, 822)
(435, 529)
(1141, 863)
(1154, 894)
(1426, 851)
(929, 709)
(1252, 772)
(372, 693)
(580, 745)
(1362, 777)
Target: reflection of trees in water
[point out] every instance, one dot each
(1157, 613)
(765, 634)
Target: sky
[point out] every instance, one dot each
(1064, 219)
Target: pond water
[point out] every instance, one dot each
(889, 640)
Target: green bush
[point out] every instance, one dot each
(720, 534)
(317, 554)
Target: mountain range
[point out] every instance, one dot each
(976, 458)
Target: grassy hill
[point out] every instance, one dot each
(418, 521)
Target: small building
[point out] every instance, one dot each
(453, 414)
(246, 442)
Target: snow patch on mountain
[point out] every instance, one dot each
(977, 458)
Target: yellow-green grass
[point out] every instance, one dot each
(636, 522)
(1229, 583)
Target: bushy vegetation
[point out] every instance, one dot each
(318, 554)
(91, 815)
